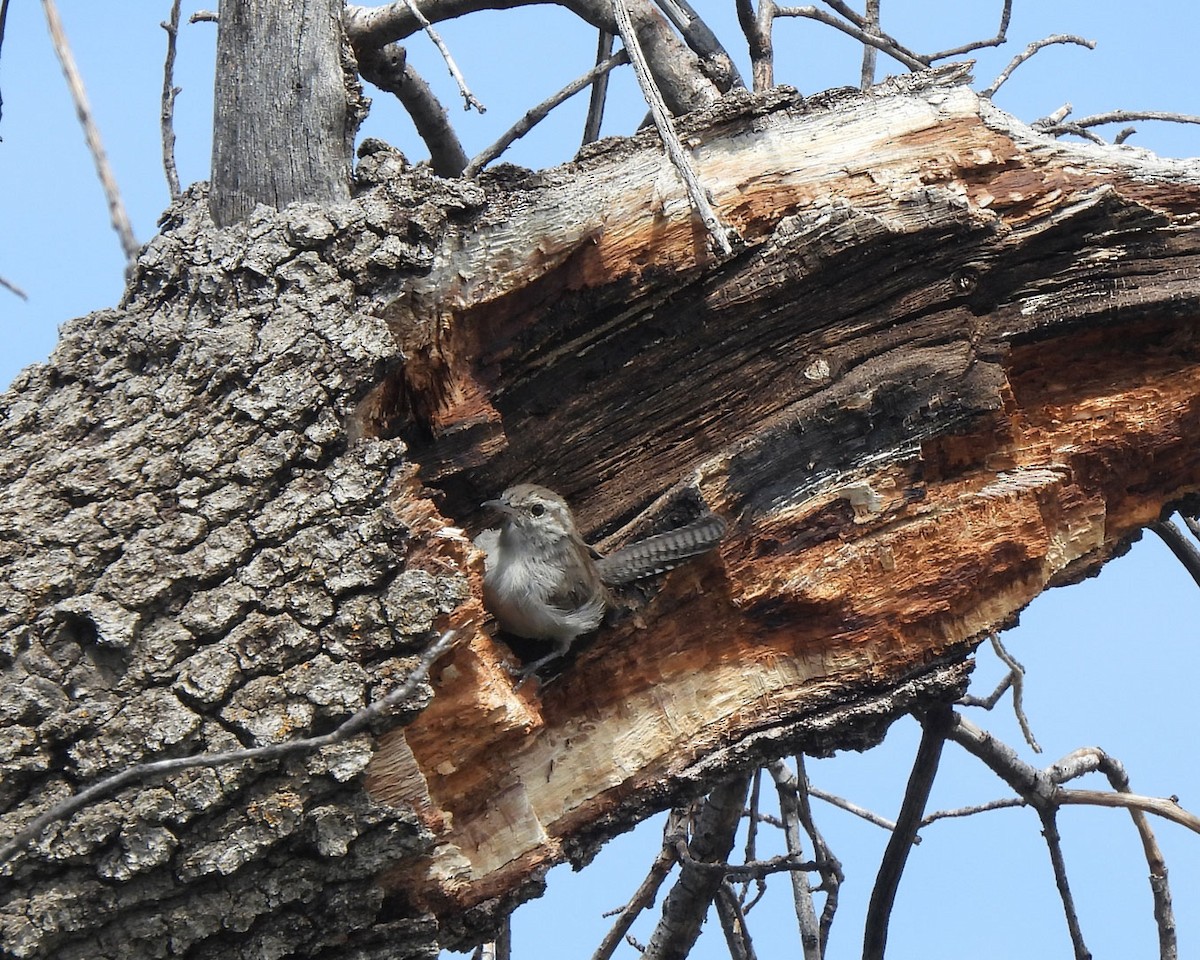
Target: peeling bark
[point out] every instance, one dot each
(953, 363)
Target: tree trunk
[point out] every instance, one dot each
(953, 362)
(285, 109)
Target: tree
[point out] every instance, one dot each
(212, 499)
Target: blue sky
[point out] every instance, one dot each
(1112, 661)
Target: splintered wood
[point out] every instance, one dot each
(954, 363)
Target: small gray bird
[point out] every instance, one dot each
(542, 582)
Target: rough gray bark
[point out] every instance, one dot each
(195, 556)
(286, 107)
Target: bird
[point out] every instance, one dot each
(543, 582)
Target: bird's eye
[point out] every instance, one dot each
(537, 510)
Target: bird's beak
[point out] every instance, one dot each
(499, 506)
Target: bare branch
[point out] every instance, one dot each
(1042, 790)
(733, 923)
(169, 92)
(203, 16)
(116, 207)
(354, 724)
(8, 285)
(1054, 845)
(1185, 551)
(757, 28)
(537, 114)
(787, 785)
(715, 60)
(934, 728)
(641, 899)
(882, 41)
(1000, 38)
(388, 68)
(469, 99)
(686, 905)
(990, 90)
(666, 130)
(595, 114)
(870, 53)
(831, 868)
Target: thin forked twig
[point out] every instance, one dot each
(990, 90)
(644, 895)
(169, 93)
(666, 130)
(1015, 678)
(116, 206)
(1000, 38)
(832, 876)
(468, 97)
(145, 771)
(1125, 116)
(537, 114)
(1042, 789)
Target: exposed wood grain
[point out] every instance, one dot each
(954, 363)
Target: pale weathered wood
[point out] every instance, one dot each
(283, 123)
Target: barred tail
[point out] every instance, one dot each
(661, 553)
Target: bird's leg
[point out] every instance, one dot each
(560, 650)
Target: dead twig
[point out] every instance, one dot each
(537, 114)
(1002, 804)
(599, 94)
(850, 807)
(1042, 789)
(469, 99)
(990, 90)
(666, 130)
(1119, 116)
(169, 93)
(999, 39)
(889, 45)
(733, 924)
(642, 898)
(8, 285)
(1015, 678)
(354, 724)
(116, 206)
